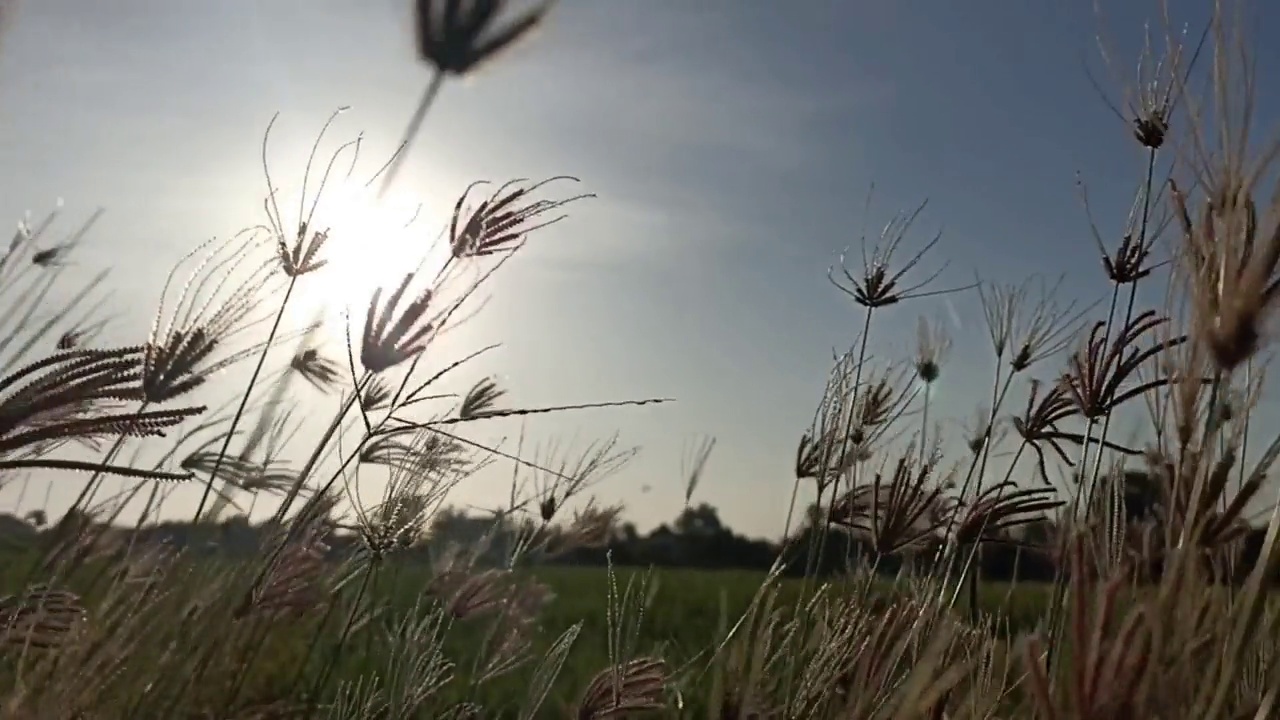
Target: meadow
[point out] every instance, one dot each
(1160, 552)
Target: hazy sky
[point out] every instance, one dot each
(731, 143)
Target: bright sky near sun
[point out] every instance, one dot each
(731, 145)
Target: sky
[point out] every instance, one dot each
(731, 144)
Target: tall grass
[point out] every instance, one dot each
(1150, 615)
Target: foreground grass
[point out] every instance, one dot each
(680, 615)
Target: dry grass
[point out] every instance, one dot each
(1136, 626)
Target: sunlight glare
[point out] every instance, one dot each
(372, 243)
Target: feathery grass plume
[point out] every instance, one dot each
(302, 257)
(319, 371)
(810, 455)
(80, 335)
(980, 429)
(561, 473)
(502, 221)
(240, 473)
(1232, 272)
(1027, 321)
(416, 667)
(1099, 371)
(507, 642)
(1130, 262)
(1039, 424)
(456, 37)
(898, 510)
(637, 686)
(400, 522)
(1159, 83)
(882, 399)
(877, 284)
(215, 305)
(695, 464)
(298, 251)
(932, 346)
(856, 660)
(590, 527)
(1202, 505)
(26, 290)
(75, 395)
(40, 617)
(385, 344)
(377, 393)
(425, 454)
(477, 594)
(1229, 253)
(1000, 508)
(1111, 671)
(480, 399)
(295, 584)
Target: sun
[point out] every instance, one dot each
(372, 242)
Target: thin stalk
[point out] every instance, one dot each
(924, 421)
(411, 132)
(244, 400)
(334, 652)
(323, 443)
(844, 450)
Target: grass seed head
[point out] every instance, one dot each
(458, 36)
(502, 221)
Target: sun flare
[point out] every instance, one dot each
(372, 243)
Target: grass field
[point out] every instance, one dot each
(677, 614)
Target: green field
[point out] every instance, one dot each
(683, 615)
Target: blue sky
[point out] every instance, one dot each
(731, 144)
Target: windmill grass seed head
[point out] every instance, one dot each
(878, 283)
(1099, 373)
(898, 510)
(636, 686)
(40, 617)
(502, 221)
(1232, 272)
(1027, 321)
(387, 344)
(458, 36)
(320, 372)
(211, 309)
(932, 345)
(1159, 82)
